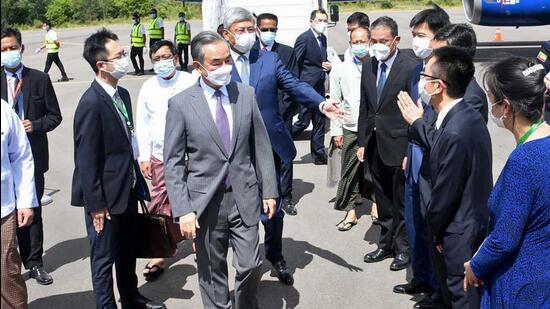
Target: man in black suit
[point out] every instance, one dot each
(464, 36)
(31, 94)
(310, 49)
(383, 137)
(459, 169)
(267, 26)
(106, 179)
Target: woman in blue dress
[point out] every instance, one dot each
(513, 263)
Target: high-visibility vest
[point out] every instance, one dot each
(50, 45)
(137, 37)
(183, 35)
(154, 30)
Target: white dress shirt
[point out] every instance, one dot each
(389, 64)
(443, 113)
(151, 111)
(18, 189)
(10, 81)
(267, 47)
(316, 36)
(239, 64)
(209, 94)
(345, 86)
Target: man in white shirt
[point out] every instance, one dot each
(345, 86)
(51, 43)
(18, 199)
(150, 122)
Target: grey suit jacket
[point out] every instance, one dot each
(195, 184)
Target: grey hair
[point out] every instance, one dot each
(235, 15)
(201, 39)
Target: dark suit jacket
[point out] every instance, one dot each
(477, 99)
(309, 58)
(287, 106)
(460, 169)
(268, 75)
(41, 108)
(103, 155)
(385, 117)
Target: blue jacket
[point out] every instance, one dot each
(267, 75)
(414, 152)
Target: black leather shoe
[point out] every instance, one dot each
(413, 288)
(283, 273)
(400, 262)
(41, 276)
(321, 161)
(142, 302)
(377, 256)
(289, 208)
(426, 303)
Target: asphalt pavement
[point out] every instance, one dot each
(327, 264)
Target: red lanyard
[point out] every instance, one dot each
(17, 89)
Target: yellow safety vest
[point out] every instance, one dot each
(154, 30)
(51, 46)
(137, 37)
(183, 35)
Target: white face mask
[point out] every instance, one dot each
(220, 76)
(424, 95)
(320, 27)
(268, 38)
(244, 42)
(122, 66)
(380, 51)
(499, 121)
(421, 48)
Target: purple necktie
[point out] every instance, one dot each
(222, 124)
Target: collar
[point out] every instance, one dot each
(235, 55)
(174, 78)
(268, 47)
(209, 92)
(443, 113)
(19, 72)
(389, 61)
(315, 34)
(110, 90)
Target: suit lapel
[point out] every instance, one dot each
(4, 87)
(235, 74)
(109, 102)
(233, 93)
(200, 105)
(26, 89)
(255, 67)
(456, 109)
(313, 40)
(372, 90)
(390, 78)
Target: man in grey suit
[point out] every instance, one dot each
(219, 166)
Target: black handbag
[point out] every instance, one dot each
(154, 239)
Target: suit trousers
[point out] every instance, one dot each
(31, 238)
(54, 58)
(183, 51)
(287, 170)
(389, 188)
(273, 237)
(116, 244)
(14, 290)
(221, 227)
(137, 52)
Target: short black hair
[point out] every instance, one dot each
(455, 67)
(436, 18)
(219, 30)
(94, 47)
(458, 35)
(360, 27)
(153, 10)
(47, 22)
(160, 44)
(386, 22)
(12, 33)
(264, 16)
(360, 19)
(314, 13)
(135, 15)
(505, 79)
(181, 14)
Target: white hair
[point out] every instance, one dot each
(235, 15)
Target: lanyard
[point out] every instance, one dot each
(122, 109)
(531, 130)
(15, 93)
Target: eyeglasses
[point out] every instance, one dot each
(433, 77)
(121, 55)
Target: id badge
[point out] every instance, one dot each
(135, 146)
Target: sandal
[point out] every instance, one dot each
(340, 224)
(348, 225)
(154, 272)
(375, 220)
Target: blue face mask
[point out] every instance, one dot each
(164, 68)
(153, 16)
(267, 37)
(182, 19)
(360, 50)
(11, 59)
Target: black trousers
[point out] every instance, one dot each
(183, 49)
(54, 57)
(116, 244)
(137, 51)
(273, 238)
(31, 238)
(389, 187)
(287, 170)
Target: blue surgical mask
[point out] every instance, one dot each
(164, 68)
(267, 38)
(360, 50)
(182, 19)
(153, 16)
(11, 59)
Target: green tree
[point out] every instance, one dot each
(23, 11)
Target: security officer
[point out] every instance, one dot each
(51, 43)
(156, 29)
(137, 36)
(182, 37)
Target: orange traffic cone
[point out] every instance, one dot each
(498, 35)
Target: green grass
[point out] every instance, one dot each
(401, 5)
